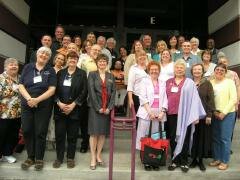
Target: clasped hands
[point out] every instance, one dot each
(106, 112)
(66, 108)
(154, 116)
(33, 102)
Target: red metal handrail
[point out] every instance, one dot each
(123, 124)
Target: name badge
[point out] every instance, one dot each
(174, 89)
(37, 79)
(67, 82)
(188, 65)
(149, 55)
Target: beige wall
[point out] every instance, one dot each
(19, 8)
(10, 46)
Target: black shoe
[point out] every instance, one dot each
(194, 163)
(147, 167)
(201, 166)
(83, 150)
(172, 167)
(155, 168)
(184, 168)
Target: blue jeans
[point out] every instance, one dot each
(222, 131)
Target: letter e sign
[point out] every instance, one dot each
(152, 20)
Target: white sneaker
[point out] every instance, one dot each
(9, 159)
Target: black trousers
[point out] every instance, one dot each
(9, 129)
(182, 158)
(35, 123)
(136, 102)
(234, 124)
(66, 127)
(84, 125)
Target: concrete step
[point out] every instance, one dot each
(122, 163)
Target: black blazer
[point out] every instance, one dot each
(78, 91)
(95, 90)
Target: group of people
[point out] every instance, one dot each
(181, 88)
(195, 99)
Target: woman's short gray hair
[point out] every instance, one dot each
(46, 50)
(111, 39)
(9, 61)
(194, 39)
(180, 62)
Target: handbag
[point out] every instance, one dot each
(154, 152)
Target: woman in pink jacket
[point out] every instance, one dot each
(153, 104)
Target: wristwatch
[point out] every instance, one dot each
(164, 110)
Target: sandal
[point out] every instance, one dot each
(101, 164)
(214, 163)
(57, 164)
(222, 166)
(70, 163)
(93, 167)
(38, 165)
(27, 164)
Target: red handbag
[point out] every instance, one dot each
(154, 152)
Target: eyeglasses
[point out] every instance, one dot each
(60, 59)
(220, 70)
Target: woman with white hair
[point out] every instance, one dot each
(111, 45)
(194, 45)
(10, 110)
(37, 86)
(184, 111)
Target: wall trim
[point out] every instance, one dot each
(12, 25)
(228, 34)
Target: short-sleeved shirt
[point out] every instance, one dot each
(173, 94)
(48, 76)
(9, 98)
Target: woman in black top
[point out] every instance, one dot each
(71, 93)
(37, 86)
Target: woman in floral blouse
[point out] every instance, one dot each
(9, 110)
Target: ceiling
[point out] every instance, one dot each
(185, 16)
(169, 14)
